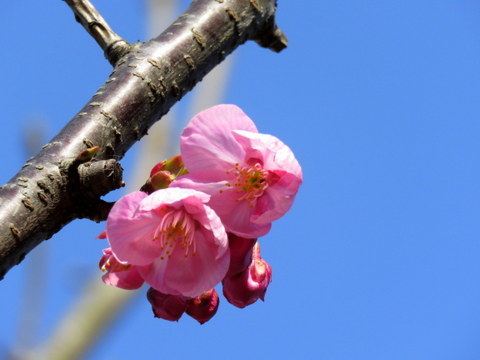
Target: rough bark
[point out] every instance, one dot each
(53, 188)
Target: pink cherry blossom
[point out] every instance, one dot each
(252, 178)
(123, 276)
(177, 243)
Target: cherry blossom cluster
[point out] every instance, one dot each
(196, 221)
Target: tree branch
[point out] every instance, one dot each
(45, 195)
(112, 44)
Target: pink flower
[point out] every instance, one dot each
(250, 285)
(252, 178)
(177, 243)
(123, 276)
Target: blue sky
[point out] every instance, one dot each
(378, 258)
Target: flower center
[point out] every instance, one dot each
(176, 228)
(249, 182)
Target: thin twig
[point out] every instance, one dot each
(112, 44)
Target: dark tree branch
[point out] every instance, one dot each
(47, 194)
(112, 44)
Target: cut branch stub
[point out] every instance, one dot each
(145, 83)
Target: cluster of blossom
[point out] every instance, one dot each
(196, 221)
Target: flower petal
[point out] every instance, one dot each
(207, 141)
(130, 232)
(274, 154)
(172, 197)
(277, 199)
(129, 279)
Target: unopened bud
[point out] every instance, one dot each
(158, 167)
(174, 165)
(87, 154)
(165, 306)
(159, 180)
(203, 307)
(240, 253)
(250, 285)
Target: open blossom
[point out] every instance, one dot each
(176, 242)
(252, 178)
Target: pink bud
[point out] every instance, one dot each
(250, 285)
(203, 307)
(121, 275)
(158, 167)
(240, 253)
(165, 306)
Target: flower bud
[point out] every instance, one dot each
(159, 180)
(165, 306)
(87, 154)
(174, 165)
(240, 253)
(203, 307)
(250, 285)
(123, 276)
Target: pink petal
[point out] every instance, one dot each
(130, 232)
(201, 181)
(275, 155)
(207, 141)
(128, 279)
(239, 221)
(173, 197)
(277, 199)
